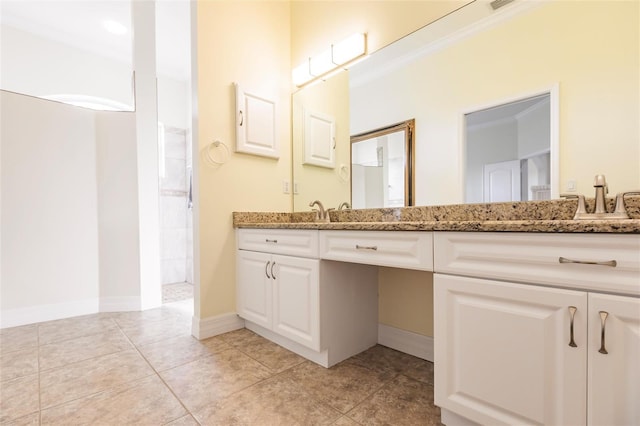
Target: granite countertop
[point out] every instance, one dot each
(530, 216)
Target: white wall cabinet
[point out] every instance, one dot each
(513, 352)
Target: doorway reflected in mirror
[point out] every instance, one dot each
(508, 151)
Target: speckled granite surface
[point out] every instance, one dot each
(531, 216)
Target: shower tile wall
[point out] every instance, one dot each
(175, 218)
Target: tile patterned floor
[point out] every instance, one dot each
(176, 292)
(145, 368)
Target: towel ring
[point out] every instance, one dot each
(216, 144)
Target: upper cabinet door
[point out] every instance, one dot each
(255, 124)
(614, 360)
(319, 139)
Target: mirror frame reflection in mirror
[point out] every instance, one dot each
(408, 129)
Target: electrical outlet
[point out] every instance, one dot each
(285, 187)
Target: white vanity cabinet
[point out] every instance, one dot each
(280, 293)
(324, 311)
(518, 330)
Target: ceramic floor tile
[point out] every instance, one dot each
(129, 319)
(18, 363)
(32, 419)
(385, 361)
(170, 353)
(345, 421)
(275, 401)
(420, 369)
(71, 328)
(342, 386)
(147, 401)
(15, 338)
(19, 398)
(403, 401)
(208, 379)
(82, 348)
(184, 421)
(274, 357)
(63, 384)
(242, 338)
(154, 331)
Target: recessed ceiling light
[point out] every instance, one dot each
(114, 27)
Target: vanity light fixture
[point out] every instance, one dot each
(332, 59)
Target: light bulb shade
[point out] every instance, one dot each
(332, 58)
(349, 49)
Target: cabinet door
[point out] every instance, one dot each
(502, 353)
(254, 293)
(296, 300)
(614, 377)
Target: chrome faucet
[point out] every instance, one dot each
(344, 205)
(600, 210)
(322, 215)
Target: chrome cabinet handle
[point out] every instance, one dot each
(271, 241)
(272, 274)
(241, 118)
(266, 269)
(359, 247)
(572, 313)
(603, 319)
(611, 263)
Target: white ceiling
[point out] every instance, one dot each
(79, 23)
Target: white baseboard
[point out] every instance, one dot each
(33, 314)
(119, 304)
(406, 341)
(202, 328)
(449, 418)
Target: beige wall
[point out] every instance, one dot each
(406, 300)
(248, 43)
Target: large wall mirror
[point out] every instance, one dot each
(588, 51)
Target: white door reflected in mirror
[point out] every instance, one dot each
(508, 151)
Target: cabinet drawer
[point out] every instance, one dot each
(410, 250)
(535, 258)
(292, 242)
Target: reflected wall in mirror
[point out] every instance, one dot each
(381, 167)
(520, 48)
(508, 151)
(321, 171)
